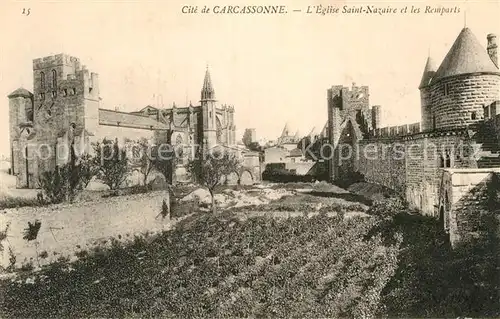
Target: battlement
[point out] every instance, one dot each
(56, 60)
(348, 98)
(354, 89)
(396, 131)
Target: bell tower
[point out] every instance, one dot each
(209, 112)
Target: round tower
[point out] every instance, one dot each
(20, 120)
(425, 95)
(465, 83)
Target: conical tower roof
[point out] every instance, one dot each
(429, 72)
(324, 132)
(313, 132)
(20, 92)
(466, 56)
(297, 135)
(286, 130)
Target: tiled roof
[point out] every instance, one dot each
(466, 56)
(20, 92)
(116, 118)
(295, 152)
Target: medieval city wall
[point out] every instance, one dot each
(412, 165)
(70, 228)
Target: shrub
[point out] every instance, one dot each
(66, 181)
(55, 185)
(112, 163)
(13, 202)
(387, 208)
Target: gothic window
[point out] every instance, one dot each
(42, 80)
(42, 96)
(54, 79)
(54, 94)
(219, 131)
(178, 145)
(65, 92)
(445, 160)
(473, 116)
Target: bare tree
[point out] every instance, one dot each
(143, 155)
(212, 170)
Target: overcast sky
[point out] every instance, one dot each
(273, 69)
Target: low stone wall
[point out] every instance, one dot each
(462, 200)
(69, 228)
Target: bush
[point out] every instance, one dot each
(55, 185)
(66, 181)
(112, 163)
(388, 208)
(14, 202)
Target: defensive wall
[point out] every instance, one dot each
(411, 162)
(67, 229)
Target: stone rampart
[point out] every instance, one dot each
(70, 228)
(412, 165)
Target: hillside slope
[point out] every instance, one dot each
(220, 266)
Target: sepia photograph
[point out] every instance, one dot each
(249, 159)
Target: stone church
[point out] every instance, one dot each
(65, 109)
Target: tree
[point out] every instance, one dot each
(88, 169)
(143, 152)
(212, 170)
(112, 163)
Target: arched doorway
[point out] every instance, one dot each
(246, 178)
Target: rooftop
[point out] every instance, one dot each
(116, 118)
(466, 56)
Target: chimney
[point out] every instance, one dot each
(492, 48)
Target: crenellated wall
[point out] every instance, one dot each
(412, 165)
(393, 131)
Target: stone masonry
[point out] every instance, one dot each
(64, 111)
(459, 131)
